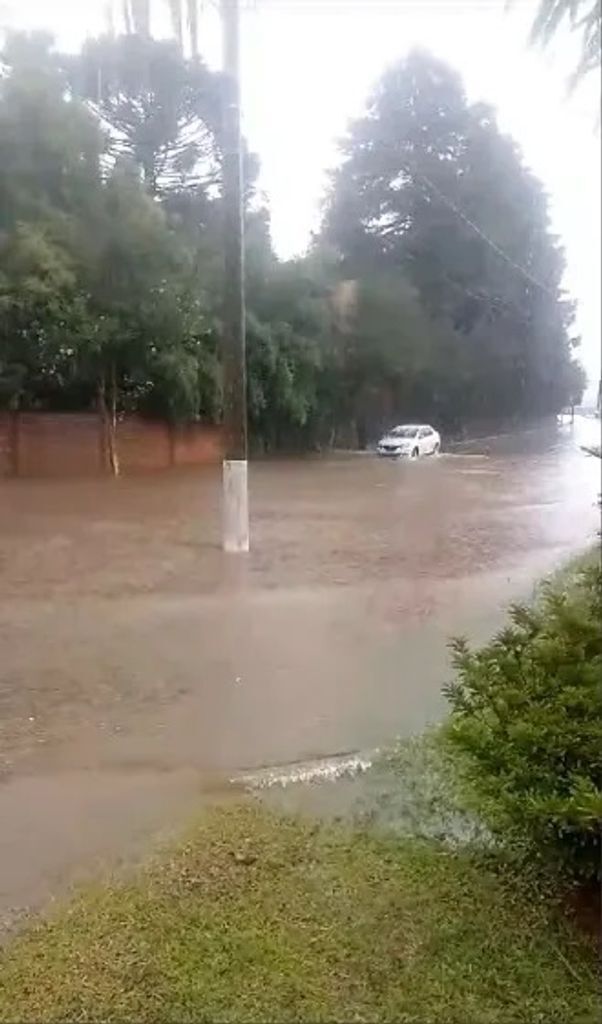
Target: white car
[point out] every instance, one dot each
(411, 440)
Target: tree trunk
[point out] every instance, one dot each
(109, 420)
(113, 454)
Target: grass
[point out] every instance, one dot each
(259, 917)
(413, 789)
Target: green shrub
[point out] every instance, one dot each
(526, 714)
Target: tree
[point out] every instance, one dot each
(184, 16)
(49, 174)
(380, 358)
(50, 150)
(128, 262)
(41, 318)
(160, 110)
(99, 297)
(286, 332)
(584, 16)
(432, 193)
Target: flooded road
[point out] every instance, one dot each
(139, 663)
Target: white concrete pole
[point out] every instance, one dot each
(235, 506)
(235, 489)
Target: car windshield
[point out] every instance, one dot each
(404, 432)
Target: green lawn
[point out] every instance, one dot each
(256, 917)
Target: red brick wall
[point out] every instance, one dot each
(57, 444)
(143, 444)
(5, 444)
(193, 446)
(70, 444)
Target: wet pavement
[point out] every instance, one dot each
(140, 666)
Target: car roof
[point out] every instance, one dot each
(409, 426)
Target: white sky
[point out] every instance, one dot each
(308, 66)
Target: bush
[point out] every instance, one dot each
(527, 716)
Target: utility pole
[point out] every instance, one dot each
(235, 486)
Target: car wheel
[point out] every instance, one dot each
(437, 449)
(415, 453)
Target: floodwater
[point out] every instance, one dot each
(140, 665)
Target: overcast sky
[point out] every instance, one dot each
(308, 66)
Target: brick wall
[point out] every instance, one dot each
(5, 444)
(143, 444)
(193, 446)
(57, 444)
(71, 444)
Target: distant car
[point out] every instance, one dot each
(411, 440)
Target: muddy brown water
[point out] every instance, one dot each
(140, 666)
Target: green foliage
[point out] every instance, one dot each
(96, 282)
(41, 317)
(526, 713)
(431, 195)
(287, 331)
(111, 270)
(162, 112)
(584, 16)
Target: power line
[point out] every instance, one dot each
(495, 301)
(481, 234)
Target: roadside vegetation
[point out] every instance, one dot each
(526, 717)
(585, 18)
(516, 768)
(444, 898)
(433, 289)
